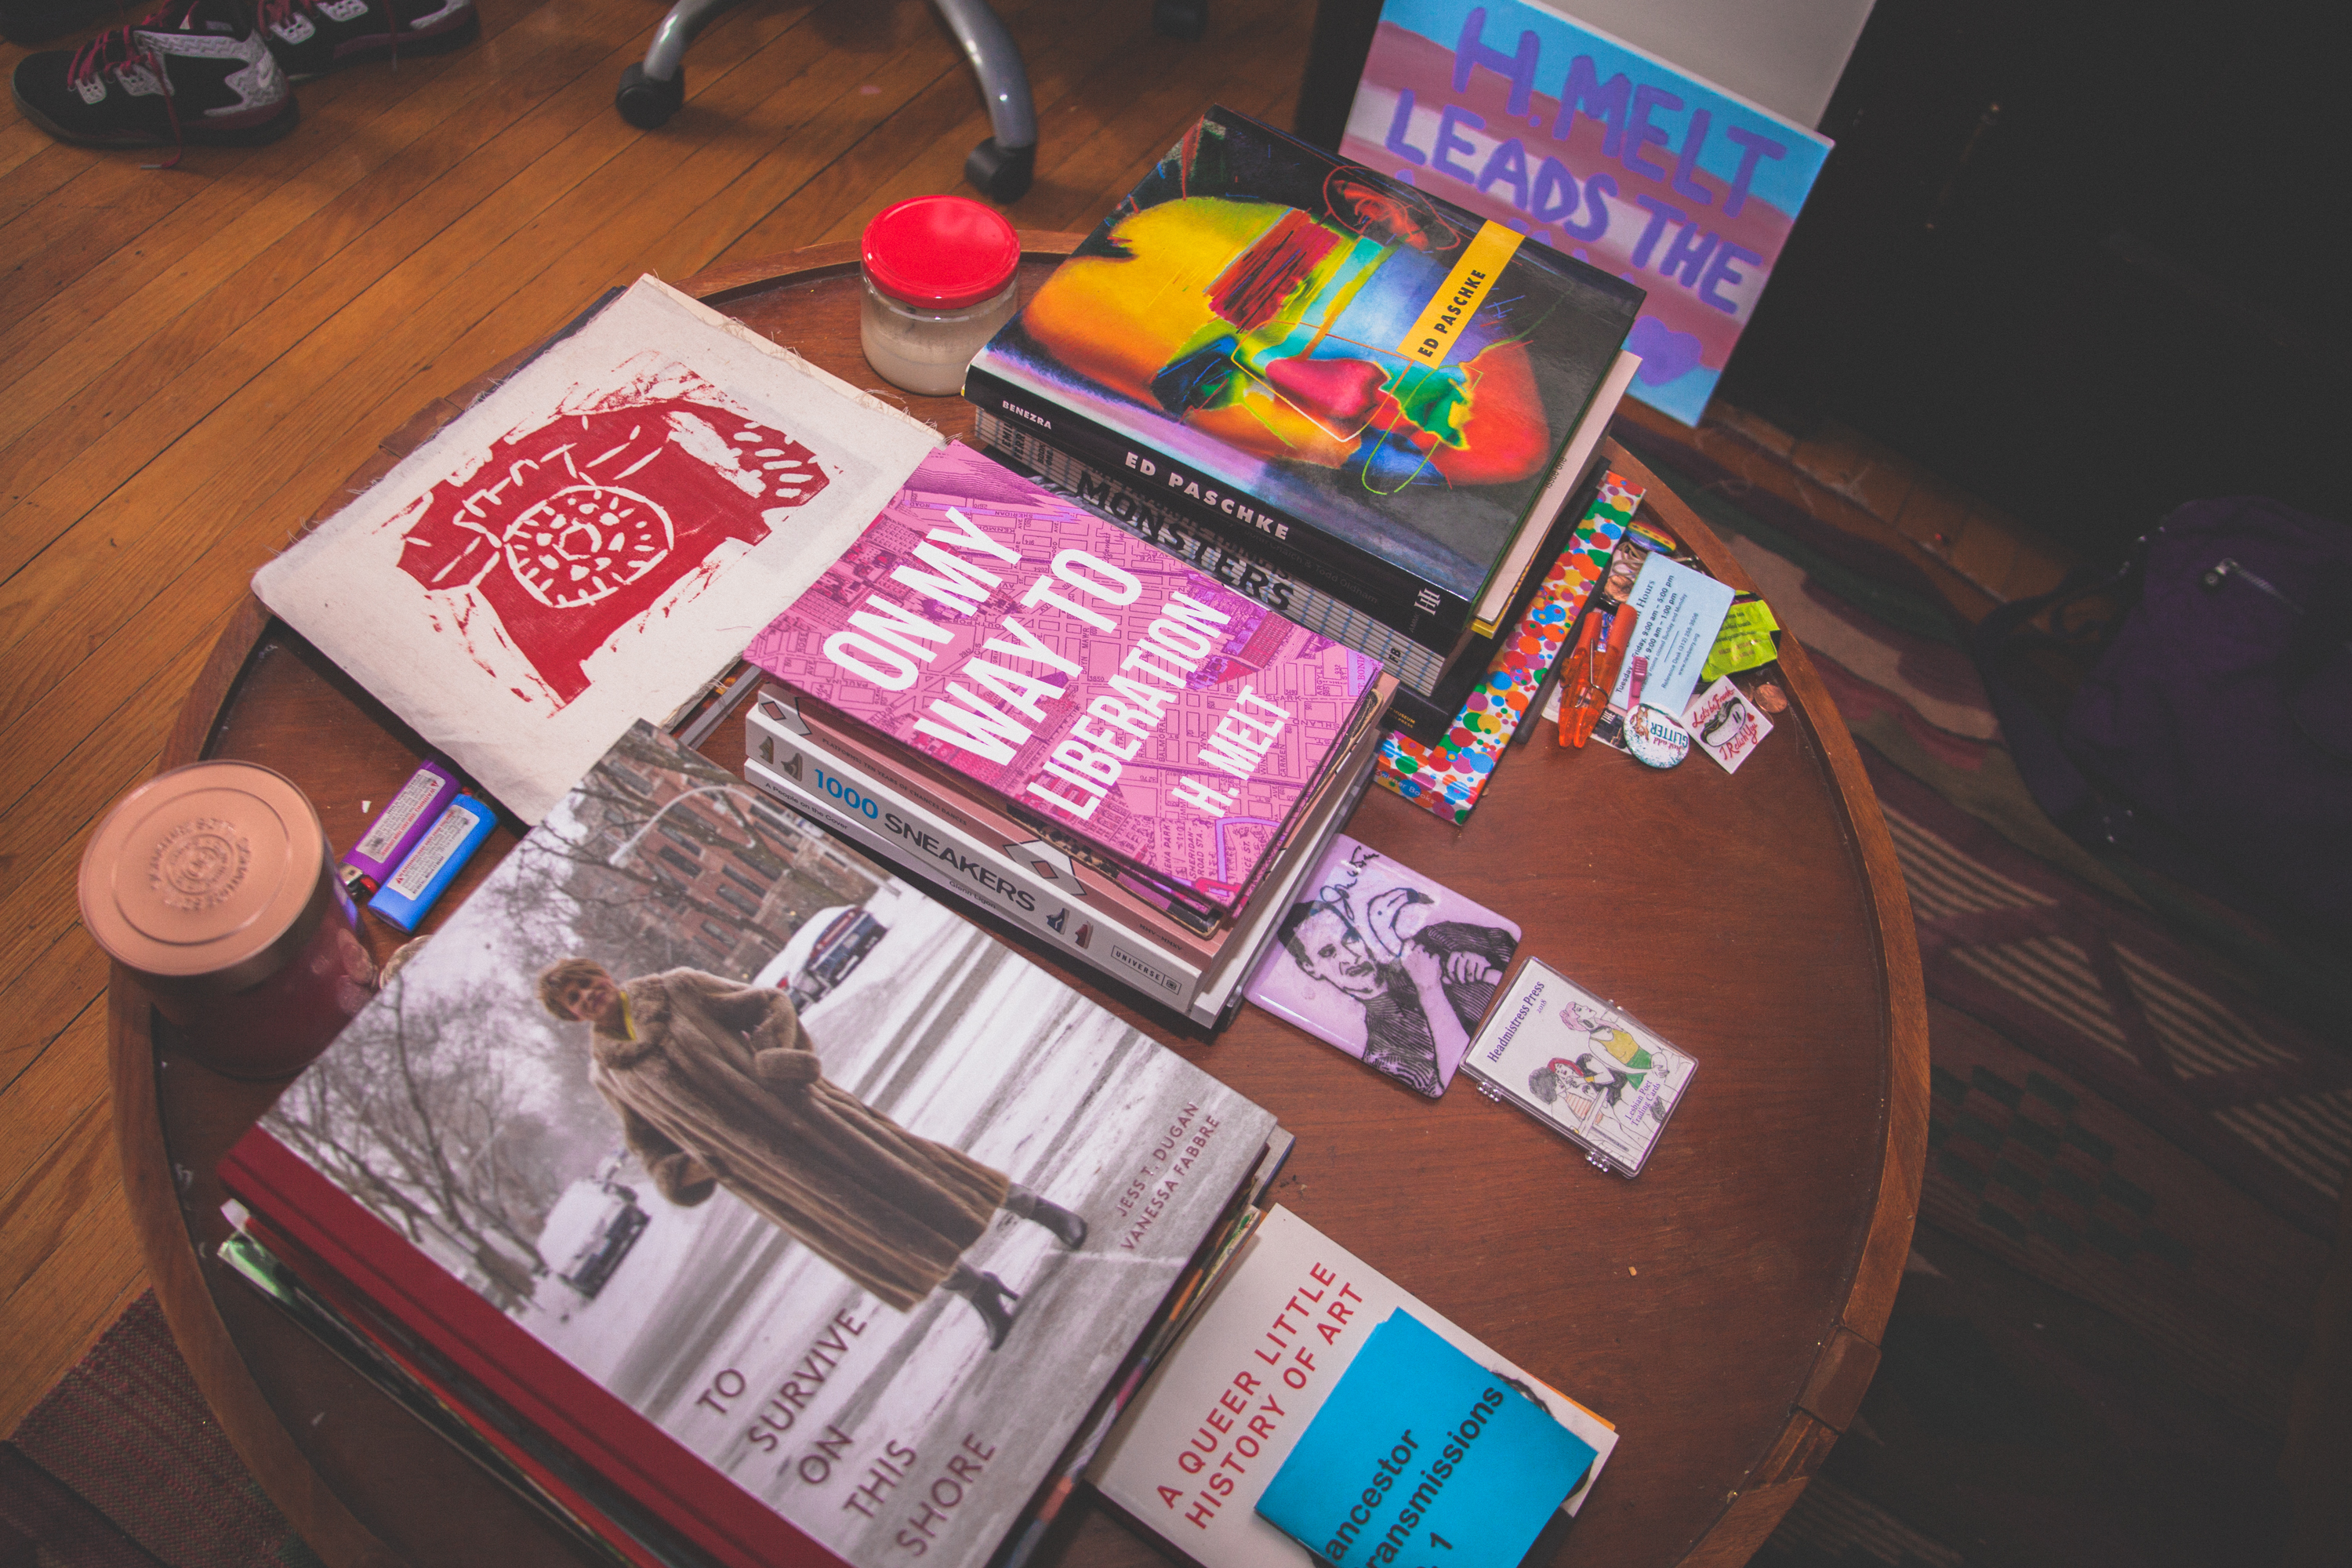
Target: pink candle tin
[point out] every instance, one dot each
(215, 883)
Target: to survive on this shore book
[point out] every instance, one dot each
(595, 539)
(1100, 686)
(1370, 384)
(908, 1200)
(1226, 1406)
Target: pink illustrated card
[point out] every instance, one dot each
(1391, 967)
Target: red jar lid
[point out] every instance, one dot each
(940, 252)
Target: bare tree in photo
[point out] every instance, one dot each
(423, 1121)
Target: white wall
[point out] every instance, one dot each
(1783, 54)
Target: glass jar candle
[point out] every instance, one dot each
(939, 276)
(215, 884)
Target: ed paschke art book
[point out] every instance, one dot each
(1373, 386)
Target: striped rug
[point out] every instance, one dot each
(2136, 1147)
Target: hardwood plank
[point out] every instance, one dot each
(167, 509)
(72, 244)
(66, 980)
(58, 1149)
(61, 765)
(41, 177)
(165, 383)
(66, 1308)
(193, 256)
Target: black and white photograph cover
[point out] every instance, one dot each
(857, 1206)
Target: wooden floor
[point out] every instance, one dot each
(193, 357)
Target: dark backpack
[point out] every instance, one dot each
(2213, 737)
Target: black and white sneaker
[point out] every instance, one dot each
(192, 73)
(311, 38)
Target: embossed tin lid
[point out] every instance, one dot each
(204, 873)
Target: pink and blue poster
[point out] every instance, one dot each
(1602, 151)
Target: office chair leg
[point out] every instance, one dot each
(1002, 166)
(1001, 174)
(650, 93)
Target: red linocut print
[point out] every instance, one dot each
(571, 529)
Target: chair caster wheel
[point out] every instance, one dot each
(1000, 173)
(647, 102)
(1180, 18)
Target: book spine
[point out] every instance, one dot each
(782, 717)
(1220, 998)
(276, 1273)
(939, 853)
(1245, 571)
(1423, 610)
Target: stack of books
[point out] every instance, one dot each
(1363, 407)
(1067, 727)
(715, 1281)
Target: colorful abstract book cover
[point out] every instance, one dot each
(1099, 686)
(1448, 777)
(1394, 969)
(1291, 344)
(592, 540)
(801, 1209)
(1600, 150)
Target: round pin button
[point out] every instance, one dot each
(1656, 741)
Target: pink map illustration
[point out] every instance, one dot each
(1099, 686)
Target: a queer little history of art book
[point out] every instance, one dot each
(1099, 686)
(1373, 384)
(595, 539)
(1392, 968)
(822, 1238)
(1229, 1405)
(1526, 116)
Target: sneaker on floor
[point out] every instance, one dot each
(311, 38)
(192, 73)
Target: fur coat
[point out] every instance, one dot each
(720, 1084)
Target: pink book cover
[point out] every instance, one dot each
(1095, 683)
(1391, 967)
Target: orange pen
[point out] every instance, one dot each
(1591, 673)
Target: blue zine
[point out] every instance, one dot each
(1422, 1456)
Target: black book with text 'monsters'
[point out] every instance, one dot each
(1369, 385)
(808, 1216)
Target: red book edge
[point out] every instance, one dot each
(585, 1513)
(686, 1493)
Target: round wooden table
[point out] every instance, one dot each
(1723, 1310)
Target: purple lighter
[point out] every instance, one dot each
(398, 827)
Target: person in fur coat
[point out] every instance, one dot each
(716, 1083)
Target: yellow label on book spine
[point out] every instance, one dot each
(1449, 311)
